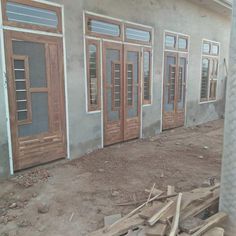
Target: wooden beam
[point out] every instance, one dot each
(175, 223)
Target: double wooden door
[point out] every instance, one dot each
(36, 98)
(121, 89)
(174, 90)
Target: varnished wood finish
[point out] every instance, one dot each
(113, 130)
(27, 87)
(132, 125)
(126, 128)
(106, 20)
(31, 3)
(96, 43)
(127, 25)
(37, 149)
(175, 118)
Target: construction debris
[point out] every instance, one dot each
(193, 213)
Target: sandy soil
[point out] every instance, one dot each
(72, 198)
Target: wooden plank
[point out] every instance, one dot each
(175, 223)
(155, 192)
(121, 228)
(195, 209)
(149, 211)
(160, 213)
(211, 222)
(157, 230)
(215, 232)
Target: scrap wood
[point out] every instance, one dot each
(158, 215)
(194, 210)
(210, 223)
(149, 211)
(158, 229)
(175, 222)
(196, 195)
(121, 228)
(168, 215)
(132, 213)
(150, 194)
(156, 198)
(215, 232)
(191, 224)
(170, 190)
(155, 191)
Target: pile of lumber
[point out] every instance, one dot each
(169, 214)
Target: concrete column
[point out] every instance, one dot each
(228, 178)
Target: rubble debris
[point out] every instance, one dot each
(43, 208)
(32, 177)
(178, 214)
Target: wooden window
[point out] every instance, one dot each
(32, 15)
(213, 85)
(171, 85)
(180, 83)
(116, 88)
(206, 49)
(130, 84)
(205, 79)
(170, 41)
(23, 98)
(147, 66)
(210, 67)
(183, 43)
(137, 34)
(105, 28)
(93, 74)
(215, 49)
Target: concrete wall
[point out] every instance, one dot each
(183, 17)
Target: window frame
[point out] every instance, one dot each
(149, 101)
(137, 27)
(106, 20)
(114, 63)
(212, 76)
(24, 58)
(187, 40)
(176, 40)
(91, 107)
(29, 26)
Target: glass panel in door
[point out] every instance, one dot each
(170, 82)
(181, 83)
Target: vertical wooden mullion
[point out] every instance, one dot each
(176, 83)
(48, 79)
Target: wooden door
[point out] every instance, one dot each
(121, 92)
(174, 90)
(113, 93)
(36, 98)
(132, 92)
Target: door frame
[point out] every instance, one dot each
(4, 74)
(119, 47)
(123, 48)
(134, 48)
(163, 71)
(9, 36)
(177, 55)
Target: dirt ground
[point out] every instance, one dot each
(72, 198)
